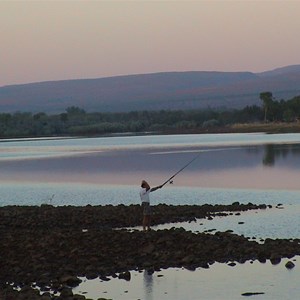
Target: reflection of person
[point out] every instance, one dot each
(144, 194)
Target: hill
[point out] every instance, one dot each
(170, 90)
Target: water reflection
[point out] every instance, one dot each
(269, 156)
(273, 165)
(273, 152)
(148, 285)
(218, 282)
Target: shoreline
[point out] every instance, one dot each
(268, 128)
(54, 246)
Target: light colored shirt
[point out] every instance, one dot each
(144, 194)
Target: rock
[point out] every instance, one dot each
(148, 249)
(78, 297)
(188, 259)
(252, 293)
(126, 276)
(289, 265)
(66, 292)
(275, 259)
(46, 245)
(71, 281)
(204, 265)
(91, 275)
(104, 278)
(190, 267)
(46, 296)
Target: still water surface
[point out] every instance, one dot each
(230, 167)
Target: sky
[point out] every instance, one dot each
(55, 40)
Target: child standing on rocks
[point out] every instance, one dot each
(144, 194)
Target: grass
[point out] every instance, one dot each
(266, 127)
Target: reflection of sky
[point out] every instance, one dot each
(274, 223)
(219, 282)
(39, 146)
(127, 160)
(227, 167)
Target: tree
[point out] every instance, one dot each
(267, 99)
(74, 110)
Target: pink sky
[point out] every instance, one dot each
(56, 40)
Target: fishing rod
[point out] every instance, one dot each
(180, 170)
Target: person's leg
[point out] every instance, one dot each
(144, 222)
(146, 216)
(144, 206)
(148, 222)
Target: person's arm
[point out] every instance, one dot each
(156, 188)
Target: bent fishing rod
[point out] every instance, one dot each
(180, 170)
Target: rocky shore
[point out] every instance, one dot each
(51, 247)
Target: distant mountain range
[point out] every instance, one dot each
(170, 90)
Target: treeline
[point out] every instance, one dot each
(280, 111)
(75, 121)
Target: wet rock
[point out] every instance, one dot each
(46, 297)
(91, 275)
(71, 281)
(43, 244)
(252, 293)
(66, 292)
(125, 275)
(188, 259)
(148, 249)
(275, 259)
(289, 265)
(104, 278)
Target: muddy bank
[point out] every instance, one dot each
(53, 246)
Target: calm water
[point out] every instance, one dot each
(220, 282)
(255, 168)
(230, 167)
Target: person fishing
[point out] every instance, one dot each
(146, 190)
(145, 198)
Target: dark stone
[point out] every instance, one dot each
(289, 265)
(71, 281)
(66, 292)
(78, 297)
(275, 259)
(126, 276)
(252, 293)
(231, 264)
(43, 244)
